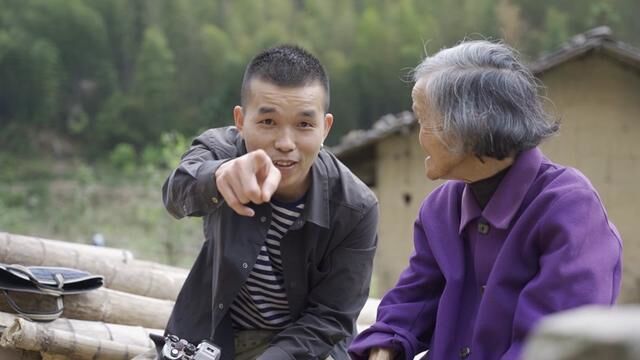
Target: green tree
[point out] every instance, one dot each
(557, 30)
(153, 85)
(103, 72)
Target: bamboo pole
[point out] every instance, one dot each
(27, 335)
(368, 313)
(41, 251)
(174, 270)
(103, 304)
(18, 354)
(137, 277)
(125, 334)
(47, 356)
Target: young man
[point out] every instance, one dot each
(290, 232)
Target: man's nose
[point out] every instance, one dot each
(285, 141)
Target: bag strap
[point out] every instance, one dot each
(44, 288)
(37, 315)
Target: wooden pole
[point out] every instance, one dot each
(41, 250)
(368, 313)
(47, 356)
(117, 266)
(104, 305)
(27, 335)
(18, 354)
(125, 334)
(174, 270)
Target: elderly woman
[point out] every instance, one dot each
(510, 238)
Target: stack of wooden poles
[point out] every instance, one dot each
(113, 322)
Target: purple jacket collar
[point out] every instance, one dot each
(503, 206)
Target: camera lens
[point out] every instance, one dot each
(190, 349)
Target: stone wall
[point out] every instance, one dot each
(589, 333)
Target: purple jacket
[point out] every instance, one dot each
(478, 281)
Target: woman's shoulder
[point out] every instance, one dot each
(559, 180)
(562, 189)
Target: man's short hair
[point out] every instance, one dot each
(286, 66)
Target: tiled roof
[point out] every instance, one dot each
(385, 126)
(597, 39)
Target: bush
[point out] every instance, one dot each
(123, 158)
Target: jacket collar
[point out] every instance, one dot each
(509, 195)
(317, 203)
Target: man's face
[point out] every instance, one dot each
(289, 124)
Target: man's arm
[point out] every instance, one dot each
(335, 302)
(190, 189)
(213, 170)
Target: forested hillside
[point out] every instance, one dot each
(97, 73)
(98, 98)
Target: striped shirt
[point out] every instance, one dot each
(262, 302)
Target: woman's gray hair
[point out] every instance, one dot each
(488, 100)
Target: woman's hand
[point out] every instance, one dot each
(381, 354)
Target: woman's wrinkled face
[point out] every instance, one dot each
(440, 161)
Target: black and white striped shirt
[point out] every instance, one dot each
(262, 302)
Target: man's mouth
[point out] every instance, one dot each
(284, 164)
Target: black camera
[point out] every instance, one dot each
(180, 349)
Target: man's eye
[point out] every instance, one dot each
(267, 121)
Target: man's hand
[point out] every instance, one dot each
(249, 178)
(381, 354)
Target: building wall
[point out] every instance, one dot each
(401, 185)
(598, 101)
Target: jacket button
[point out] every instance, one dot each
(245, 265)
(214, 200)
(263, 219)
(483, 228)
(220, 306)
(465, 352)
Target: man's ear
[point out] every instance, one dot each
(238, 117)
(328, 123)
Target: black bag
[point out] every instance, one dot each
(46, 280)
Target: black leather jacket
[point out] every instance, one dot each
(327, 254)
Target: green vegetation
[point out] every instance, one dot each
(120, 199)
(99, 97)
(103, 72)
